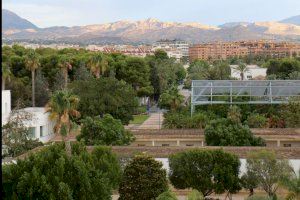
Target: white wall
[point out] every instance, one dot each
(6, 106)
(40, 122)
(253, 71)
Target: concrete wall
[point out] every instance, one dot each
(6, 106)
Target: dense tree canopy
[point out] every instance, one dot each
(282, 69)
(143, 178)
(225, 132)
(51, 174)
(105, 96)
(104, 131)
(207, 171)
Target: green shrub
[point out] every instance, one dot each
(256, 120)
(224, 132)
(104, 131)
(195, 195)
(52, 174)
(167, 195)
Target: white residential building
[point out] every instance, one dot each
(252, 72)
(40, 125)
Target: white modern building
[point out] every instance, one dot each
(252, 72)
(39, 124)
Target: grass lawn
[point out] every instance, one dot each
(139, 119)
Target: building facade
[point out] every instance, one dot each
(252, 72)
(224, 50)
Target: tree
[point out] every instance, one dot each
(52, 174)
(62, 108)
(104, 131)
(249, 182)
(291, 113)
(136, 73)
(256, 120)
(161, 54)
(98, 64)
(6, 74)
(292, 183)
(58, 82)
(171, 99)
(225, 132)
(32, 62)
(64, 62)
(167, 195)
(143, 178)
(106, 96)
(16, 136)
(207, 171)
(82, 74)
(267, 170)
(234, 114)
(241, 68)
(42, 89)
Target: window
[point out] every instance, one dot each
(165, 145)
(31, 132)
(249, 77)
(287, 145)
(41, 131)
(189, 145)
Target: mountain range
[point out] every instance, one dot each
(148, 31)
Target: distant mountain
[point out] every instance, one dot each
(292, 20)
(147, 31)
(12, 21)
(233, 24)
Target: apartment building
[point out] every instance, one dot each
(174, 48)
(224, 50)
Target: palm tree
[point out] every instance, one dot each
(293, 186)
(64, 63)
(241, 68)
(98, 64)
(6, 74)
(32, 62)
(62, 107)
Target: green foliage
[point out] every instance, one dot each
(51, 174)
(167, 195)
(292, 184)
(291, 113)
(225, 132)
(195, 195)
(207, 171)
(143, 178)
(234, 114)
(283, 68)
(171, 99)
(42, 94)
(106, 96)
(256, 120)
(267, 170)
(249, 182)
(104, 131)
(173, 120)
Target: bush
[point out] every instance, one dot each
(195, 195)
(167, 195)
(255, 120)
(104, 131)
(207, 171)
(52, 174)
(224, 132)
(143, 178)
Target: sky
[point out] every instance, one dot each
(45, 13)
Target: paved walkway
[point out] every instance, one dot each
(153, 122)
